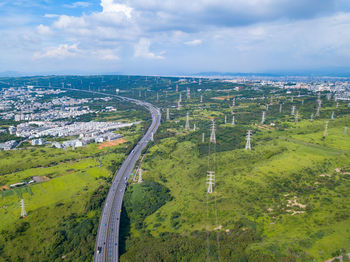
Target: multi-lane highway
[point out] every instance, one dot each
(107, 240)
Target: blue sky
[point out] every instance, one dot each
(174, 36)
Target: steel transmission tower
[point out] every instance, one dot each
(187, 126)
(263, 117)
(247, 145)
(167, 114)
(293, 110)
(212, 135)
(210, 181)
(234, 102)
(297, 117)
(23, 210)
(188, 93)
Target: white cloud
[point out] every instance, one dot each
(107, 54)
(51, 16)
(78, 4)
(60, 52)
(43, 30)
(141, 50)
(194, 42)
(109, 6)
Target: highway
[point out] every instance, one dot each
(107, 240)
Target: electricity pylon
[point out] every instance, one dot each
(210, 181)
(203, 136)
(332, 116)
(177, 88)
(201, 99)
(225, 119)
(167, 114)
(234, 102)
(187, 126)
(212, 135)
(263, 117)
(23, 210)
(247, 145)
(233, 120)
(188, 93)
(293, 110)
(280, 108)
(297, 117)
(194, 127)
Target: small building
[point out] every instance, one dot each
(38, 142)
(12, 130)
(8, 145)
(56, 144)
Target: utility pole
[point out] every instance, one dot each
(297, 117)
(203, 136)
(23, 211)
(263, 117)
(212, 135)
(281, 108)
(187, 126)
(210, 181)
(325, 133)
(293, 110)
(247, 145)
(167, 114)
(233, 120)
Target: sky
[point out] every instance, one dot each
(171, 37)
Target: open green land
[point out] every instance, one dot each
(288, 199)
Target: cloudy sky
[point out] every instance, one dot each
(174, 36)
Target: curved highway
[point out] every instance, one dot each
(107, 239)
